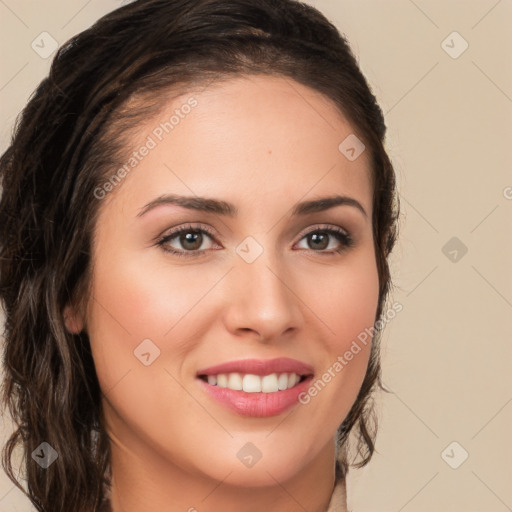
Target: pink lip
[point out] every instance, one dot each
(257, 404)
(260, 367)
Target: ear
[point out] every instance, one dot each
(73, 320)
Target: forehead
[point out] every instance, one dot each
(245, 135)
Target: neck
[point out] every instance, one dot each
(144, 481)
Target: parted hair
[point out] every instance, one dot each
(73, 131)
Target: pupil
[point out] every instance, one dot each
(192, 237)
(316, 236)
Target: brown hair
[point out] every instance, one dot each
(67, 140)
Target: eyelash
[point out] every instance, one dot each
(341, 235)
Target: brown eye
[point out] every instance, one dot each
(191, 240)
(319, 240)
(186, 241)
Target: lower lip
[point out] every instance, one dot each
(257, 404)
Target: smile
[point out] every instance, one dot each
(251, 383)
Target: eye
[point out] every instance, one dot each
(321, 237)
(191, 240)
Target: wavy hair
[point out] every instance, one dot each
(73, 131)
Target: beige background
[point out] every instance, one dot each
(447, 354)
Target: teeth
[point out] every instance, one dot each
(269, 383)
(235, 381)
(254, 383)
(282, 381)
(293, 378)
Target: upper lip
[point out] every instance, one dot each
(260, 367)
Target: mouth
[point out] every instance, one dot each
(251, 383)
(259, 396)
(256, 387)
(257, 375)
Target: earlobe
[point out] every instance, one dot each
(73, 321)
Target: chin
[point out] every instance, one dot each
(251, 467)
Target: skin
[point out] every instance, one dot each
(264, 144)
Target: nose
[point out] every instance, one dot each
(263, 300)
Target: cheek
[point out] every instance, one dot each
(134, 306)
(145, 295)
(343, 301)
(133, 302)
(347, 308)
(348, 300)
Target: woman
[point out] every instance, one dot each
(196, 217)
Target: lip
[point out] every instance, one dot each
(260, 367)
(257, 404)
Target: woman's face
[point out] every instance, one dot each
(261, 282)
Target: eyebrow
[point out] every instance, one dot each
(224, 208)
